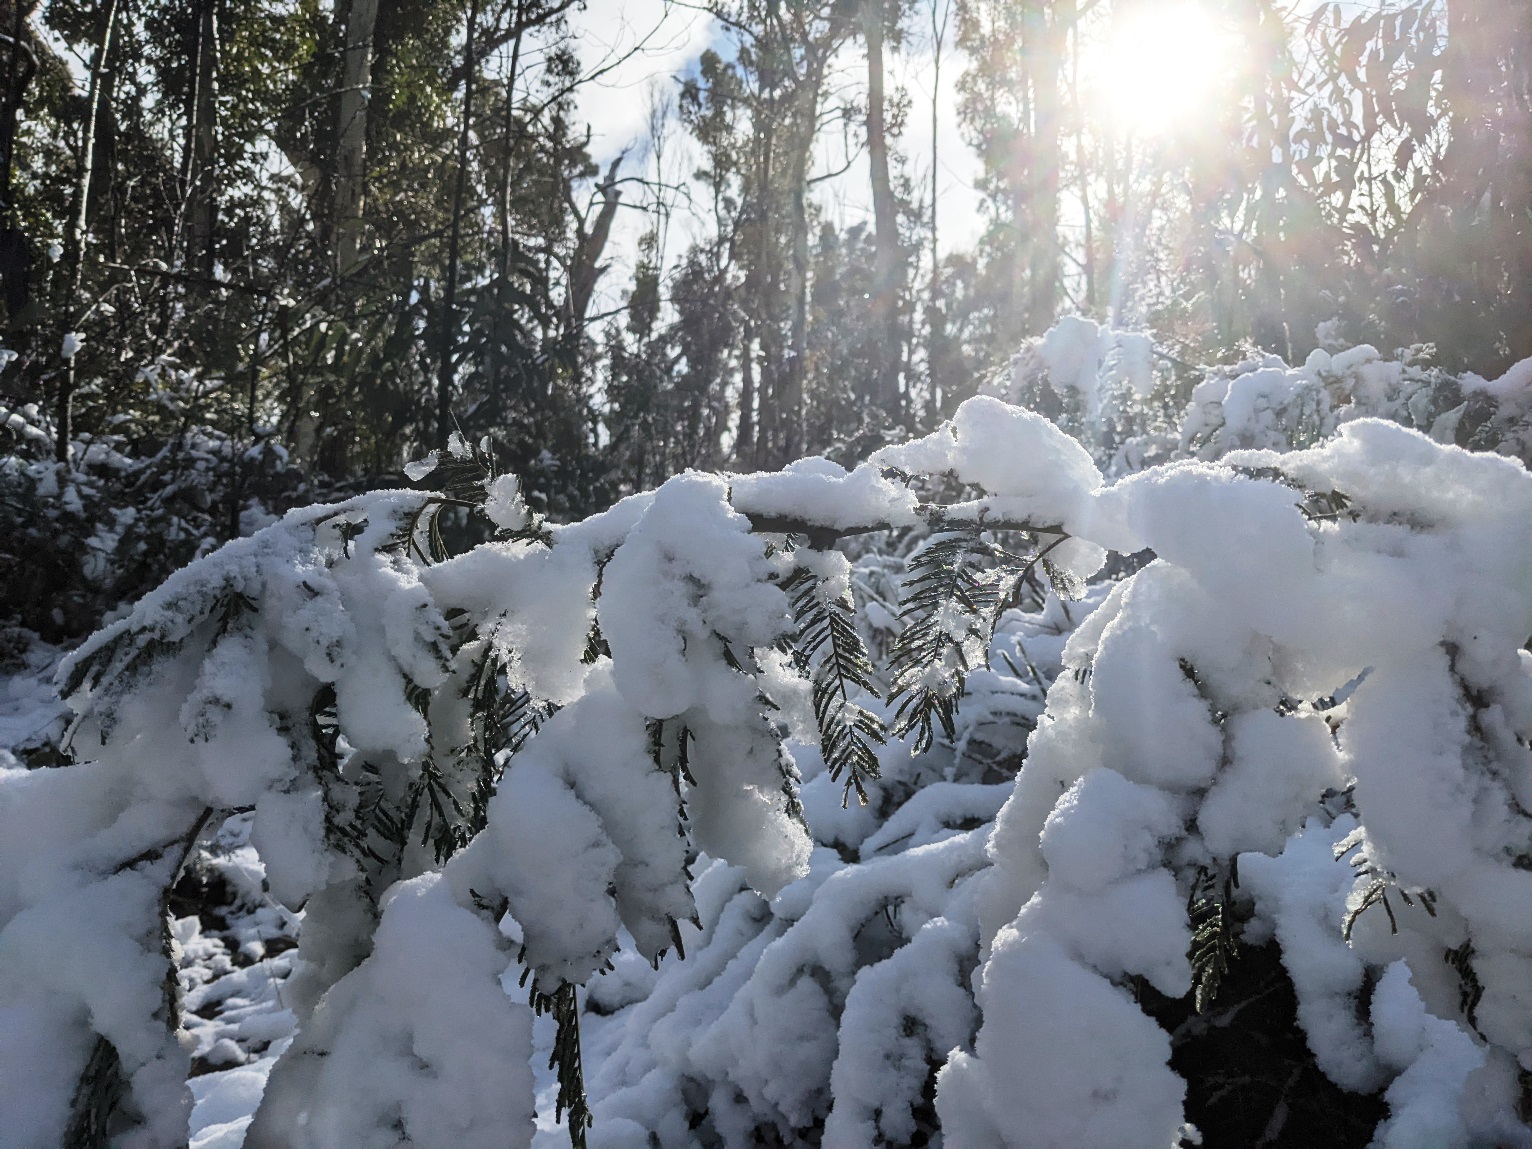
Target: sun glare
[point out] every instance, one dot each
(1161, 68)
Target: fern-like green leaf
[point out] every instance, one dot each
(830, 650)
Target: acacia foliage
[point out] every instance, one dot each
(518, 756)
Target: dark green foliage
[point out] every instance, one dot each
(1215, 933)
(1251, 1079)
(831, 651)
(564, 1004)
(958, 584)
(78, 540)
(945, 603)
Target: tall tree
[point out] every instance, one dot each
(361, 17)
(77, 235)
(888, 281)
(201, 163)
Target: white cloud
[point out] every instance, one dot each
(632, 42)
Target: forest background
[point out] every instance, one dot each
(256, 254)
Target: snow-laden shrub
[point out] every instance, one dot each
(1149, 897)
(541, 731)
(1112, 390)
(861, 968)
(1297, 736)
(1262, 403)
(1135, 406)
(1120, 396)
(80, 539)
(1318, 696)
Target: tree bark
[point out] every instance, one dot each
(351, 133)
(1046, 30)
(21, 66)
(503, 204)
(888, 286)
(202, 144)
(585, 270)
(804, 111)
(15, 252)
(744, 440)
(75, 234)
(447, 369)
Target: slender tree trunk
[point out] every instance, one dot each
(21, 65)
(15, 252)
(1047, 28)
(351, 132)
(792, 408)
(888, 286)
(744, 441)
(938, 34)
(586, 267)
(935, 321)
(76, 233)
(763, 279)
(448, 367)
(503, 204)
(795, 397)
(202, 145)
(1089, 237)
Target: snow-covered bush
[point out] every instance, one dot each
(376, 711)
(1318, 696)
(1111, 390)
(1134, 406)
(1294, 741)
(861, 968)
(79, 539)
(1262, 403)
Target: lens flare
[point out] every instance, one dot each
(1163, 66)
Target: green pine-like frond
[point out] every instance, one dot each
(830, 650)
(956, 587)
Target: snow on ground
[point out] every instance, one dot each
(234, 956)
(31, 714)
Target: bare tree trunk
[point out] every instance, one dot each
(744, 441)
(351, 132)
(888, 284)
(935, 321)
(763, 279)
(586, 268)
(791, 410)
(503, 206)
(75, 234)
(804, 115)
(202, 144)
(15, 253)
(448, 367)
(21, 66)
(1046, 35)
(1086, 182)
(938, 36)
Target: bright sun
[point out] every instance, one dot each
(1161, 67)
